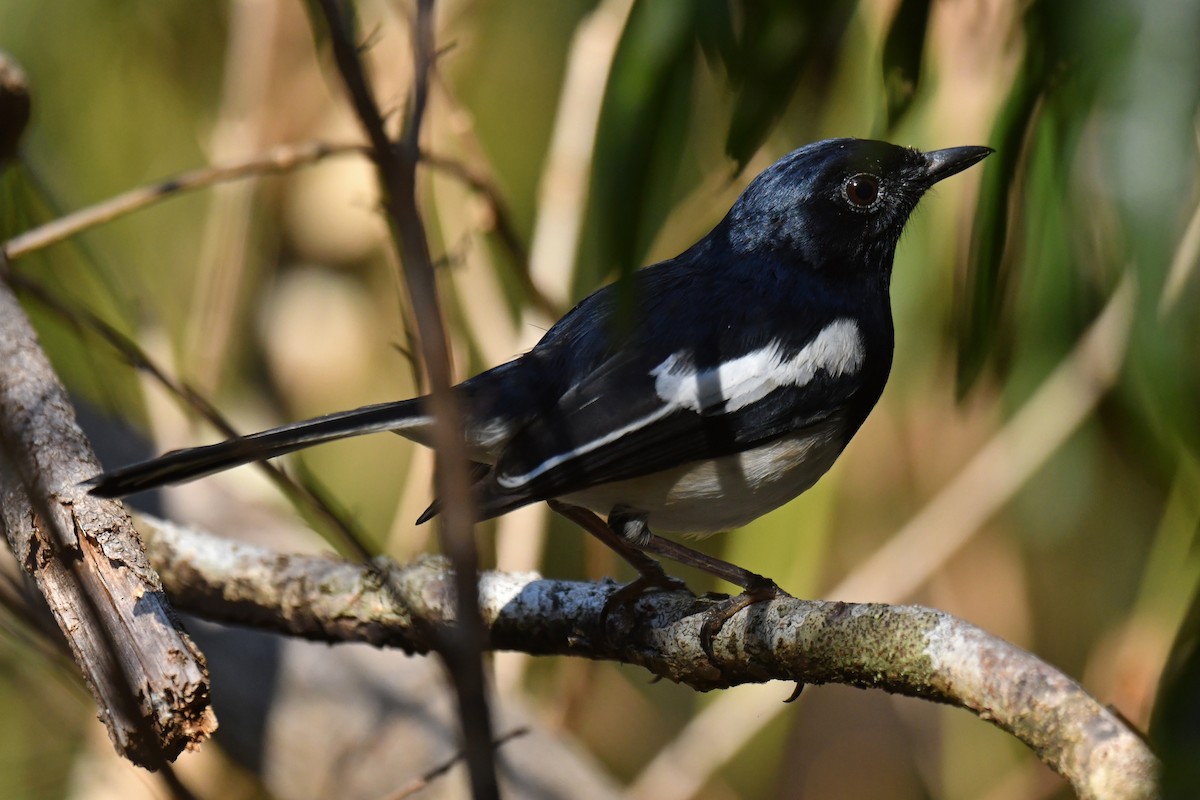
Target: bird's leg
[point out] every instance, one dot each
(633, 532)
(650, 572)
(630, 530)
(628, 536)
(755, 587)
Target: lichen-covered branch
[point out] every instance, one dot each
(907, 650)
(149, 680)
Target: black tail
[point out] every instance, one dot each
(178, 466)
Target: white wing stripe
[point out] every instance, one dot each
(735, 384)
(514, 481)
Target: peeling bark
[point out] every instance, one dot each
(149, 681)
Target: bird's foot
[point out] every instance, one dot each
(647, 581)
(716, 617)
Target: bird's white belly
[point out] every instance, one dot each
(704, 497)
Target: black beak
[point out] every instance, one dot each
(941, 164)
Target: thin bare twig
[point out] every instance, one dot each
(280, 159)
(417, 784)
(505, 228)
(397, 164)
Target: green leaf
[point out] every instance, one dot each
(903, 51)
(639, 143)
(988, 273)
(779, 38)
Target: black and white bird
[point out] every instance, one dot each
(751, 360)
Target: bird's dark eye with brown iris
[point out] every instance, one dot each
(861, 190)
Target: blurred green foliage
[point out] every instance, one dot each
(1092, 109)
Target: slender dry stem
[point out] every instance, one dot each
(461, 647)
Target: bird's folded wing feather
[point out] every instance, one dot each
(639, 413)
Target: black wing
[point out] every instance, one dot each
(627, 419)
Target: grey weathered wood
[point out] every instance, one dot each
(148, 678)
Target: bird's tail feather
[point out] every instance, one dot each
(177, 466)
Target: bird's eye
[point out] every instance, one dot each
(861, 190)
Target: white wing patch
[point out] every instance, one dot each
(735, 384)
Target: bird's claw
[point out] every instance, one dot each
(716, 616)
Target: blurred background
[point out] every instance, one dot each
(1032, 467)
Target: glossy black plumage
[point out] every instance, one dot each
(786, 301)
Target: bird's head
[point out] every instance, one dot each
(839, 204)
